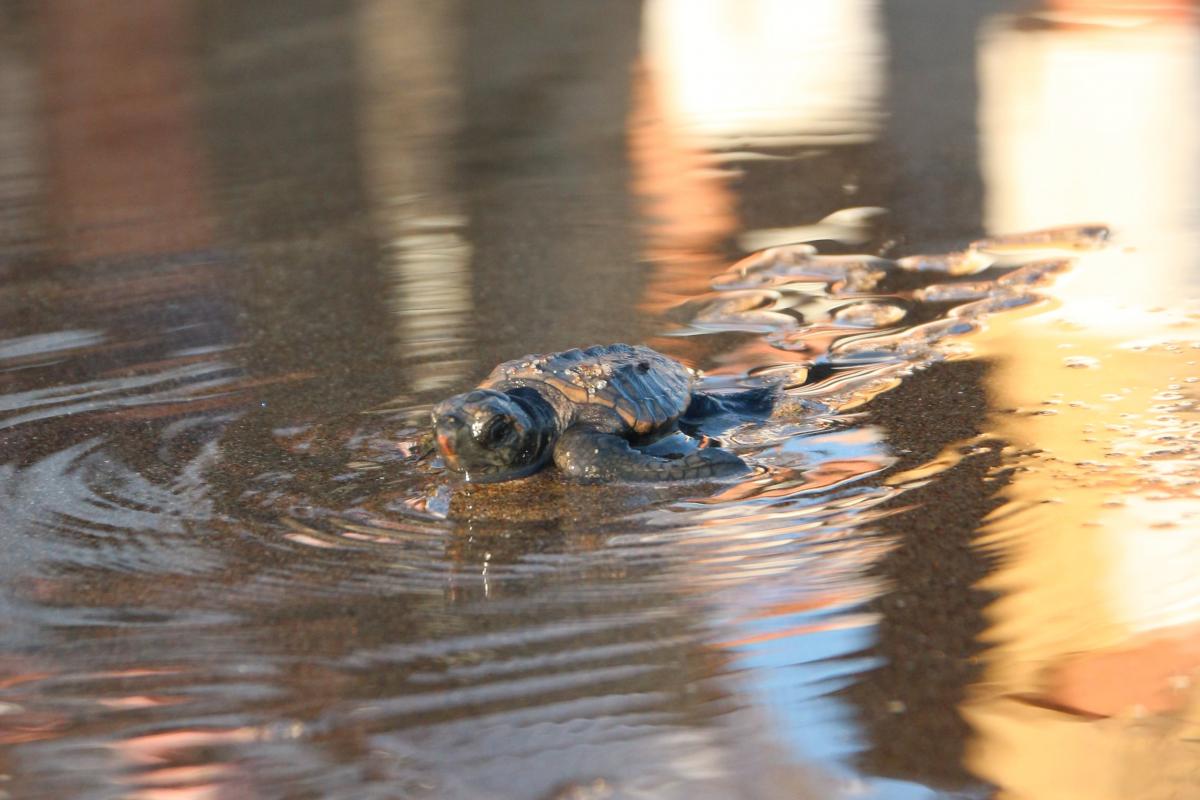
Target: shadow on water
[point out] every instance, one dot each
(244, 247)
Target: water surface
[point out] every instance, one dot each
(243, 248)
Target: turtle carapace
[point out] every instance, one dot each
(585, 410)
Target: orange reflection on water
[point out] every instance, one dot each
(1099, 589)
(1149, 672)
(1090, 685)
(822, 476)
(1099, 594)
(139, 701)
(690, 206)
(840, 622)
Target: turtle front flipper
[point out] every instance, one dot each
(588, 455)
(758, 401)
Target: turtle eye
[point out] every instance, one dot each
(496, 431)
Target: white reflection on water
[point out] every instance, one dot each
(408, 174)
(1096, 122)
(774, 72)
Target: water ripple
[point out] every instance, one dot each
(357, 609)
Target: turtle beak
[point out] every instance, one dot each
(447, 447)
(446, 435)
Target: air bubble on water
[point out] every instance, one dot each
(1066, 238)
(787, 375)
(792, 341)
(869, 315)
(967, 262)
(1033, 274)
(1000, 300)
(1081, 362)
(954, 292)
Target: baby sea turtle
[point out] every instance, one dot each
(587, 410)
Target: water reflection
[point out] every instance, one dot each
(1093, 636)
(20, 221)
(546, 93)
(768, 74)
(1061, 96)
(122, 188)
(732, 86)
(223, 579)
(409, 172)
(1098, 607)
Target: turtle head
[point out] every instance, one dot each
(490, 436)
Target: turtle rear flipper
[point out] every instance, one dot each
(588, 455)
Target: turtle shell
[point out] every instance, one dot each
(646, 389)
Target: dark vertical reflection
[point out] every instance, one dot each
(21, 237)
(925, 170)
(22, 215)
(932, 614)
(932, 143)
(281, 124)
(544, 172)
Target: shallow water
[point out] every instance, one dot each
(238, 264)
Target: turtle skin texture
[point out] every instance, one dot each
(602, 402)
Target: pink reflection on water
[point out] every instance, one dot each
(163, 772)
(128, 174)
